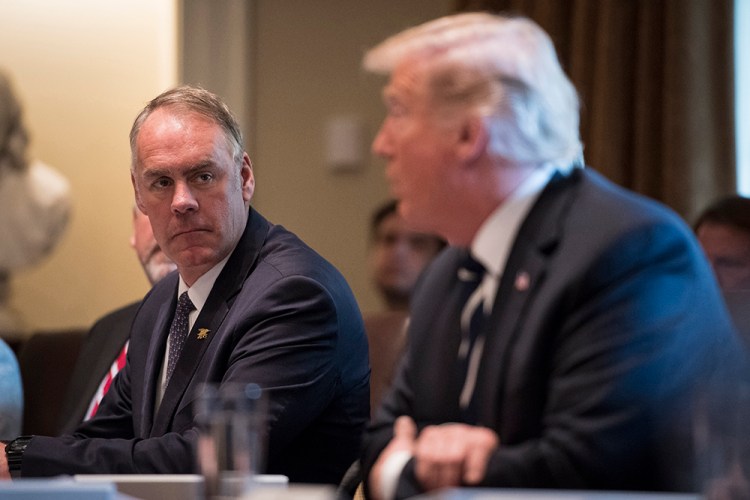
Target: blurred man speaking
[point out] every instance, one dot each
(543, 348)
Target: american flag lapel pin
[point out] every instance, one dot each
(523, 280)
(203, 333)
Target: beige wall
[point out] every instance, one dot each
(82, 70)
(308, 71)
(85, 68)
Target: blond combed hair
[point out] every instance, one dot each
(506, 70)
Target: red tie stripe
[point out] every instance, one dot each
(117, 365)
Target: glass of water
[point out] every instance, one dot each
(232, 421)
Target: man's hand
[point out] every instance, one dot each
(4, 472)
(444, 455)
(404, 435)
(453, 455)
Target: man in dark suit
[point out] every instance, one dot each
(559, 342)
(108, 338)
(261, 307)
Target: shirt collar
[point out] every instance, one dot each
(497, 233)
(198, 293)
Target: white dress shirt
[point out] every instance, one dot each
(198, 294)
(490, 247)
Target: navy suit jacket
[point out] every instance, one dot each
(279, 315)
(606, 319)
(99, 350)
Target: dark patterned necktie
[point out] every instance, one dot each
(470, 275)
(178, 331)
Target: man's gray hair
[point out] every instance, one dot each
(192, 99)
(503, 68)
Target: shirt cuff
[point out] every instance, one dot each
(391, 471)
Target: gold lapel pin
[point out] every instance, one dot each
(203, 333)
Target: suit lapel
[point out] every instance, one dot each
(525, 270)
(155, 355)
(208, 324)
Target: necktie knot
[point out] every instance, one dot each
(184, 304)
(178, 331)
(470, 270)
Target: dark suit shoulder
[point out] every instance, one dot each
(615, 206)
(108, 334)
(289, 255)
(99, 349)
(618, 214)
(119, 316)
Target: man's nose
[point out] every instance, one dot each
(381, 143)
(183, 200)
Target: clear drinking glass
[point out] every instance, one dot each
(232, 421)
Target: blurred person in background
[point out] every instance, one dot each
(723, 230)
(398, 255)
(11, 394)
(104, 349)
(36, 205)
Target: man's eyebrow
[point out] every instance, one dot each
(153, 173)
(202, 165)
(389, 95)
(166, 172)
(393, 98)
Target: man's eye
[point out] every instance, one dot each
(204, 177)
(388, 239)
(396, 111)
(161, 182)
(395, 107)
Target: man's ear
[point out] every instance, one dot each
(136, 194)
(247, 178)
(472, 139)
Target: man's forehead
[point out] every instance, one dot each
(168, 131)
(177, 116)
(407, 81)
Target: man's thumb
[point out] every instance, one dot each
(405, 429)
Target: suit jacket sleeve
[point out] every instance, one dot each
(290, 348)
(104, 444)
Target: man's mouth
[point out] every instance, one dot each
(187, 232)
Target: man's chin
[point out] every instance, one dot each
(197, 256)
